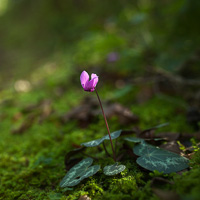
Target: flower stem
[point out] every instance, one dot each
(114, 156)
(104, 146)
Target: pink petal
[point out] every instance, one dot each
(84, 78)
(90, 86)
(95, 78)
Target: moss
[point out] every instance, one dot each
(32, 162)
(126, 185)
(195, 160)
(159, 110)
(142, 193)
(93, 187)
(188, 185)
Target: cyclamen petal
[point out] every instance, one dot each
(84, 78)
(93, 76)
(96, 79)
(88, 85)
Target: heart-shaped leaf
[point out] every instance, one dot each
(97, 142)
(154, 158)
(114, 169)
(79, 172)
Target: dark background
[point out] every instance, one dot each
(143, 35)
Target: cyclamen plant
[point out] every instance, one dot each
(90, 86)
(150, 157)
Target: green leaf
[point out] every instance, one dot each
(113, 135)
(154, 158)
(161, 125)
(114, 169)
(134, 139)
(155, 127)
(97, 142)
(79, 172)
(93, 143)
(139, 140)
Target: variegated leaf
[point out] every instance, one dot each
(114, 169)
(155, 158)
(79, 172)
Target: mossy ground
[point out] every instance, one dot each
(32, 162)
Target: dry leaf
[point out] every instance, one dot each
(166, 195)
(89, 109)
(84, 197)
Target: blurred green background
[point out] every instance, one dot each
(123, 36)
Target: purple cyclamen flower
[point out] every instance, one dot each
(88, 85)
(112, 57)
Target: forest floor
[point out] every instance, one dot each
(146, 54)
(44, 118)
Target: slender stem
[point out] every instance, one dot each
(114, 157)
(104, 146)
(90, 156)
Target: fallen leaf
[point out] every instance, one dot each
(166, 194)
(84, 197)
(149, 133)
(124, 115)
(45, 110)
(169, 136)
(171, 146)
(26, 124)
(90, 109)
(160, 181)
